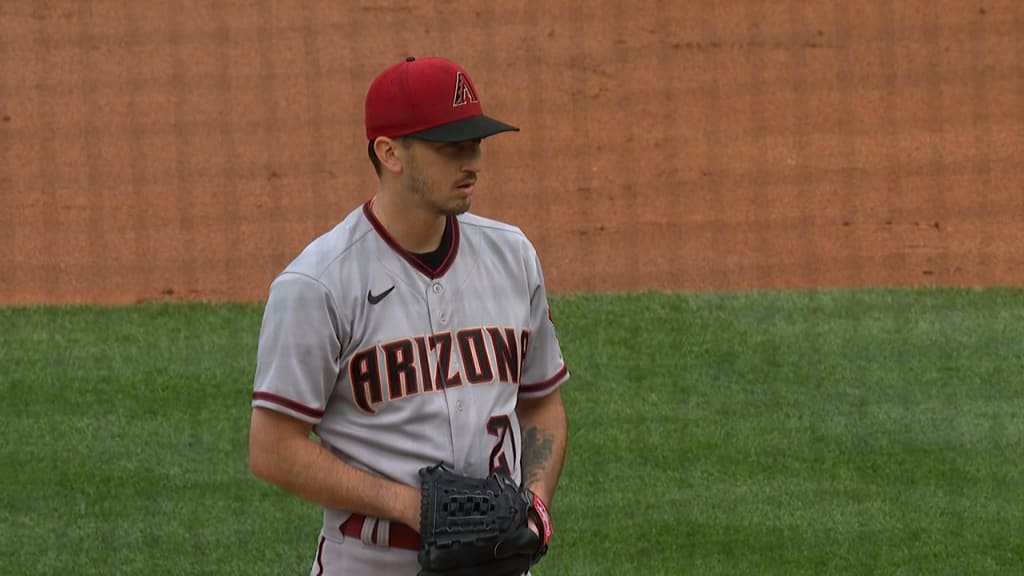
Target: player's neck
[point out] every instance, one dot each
(415, 230)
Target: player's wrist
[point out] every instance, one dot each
(541, 519)
(409, 505)
(540, 489)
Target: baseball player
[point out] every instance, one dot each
(412, 334)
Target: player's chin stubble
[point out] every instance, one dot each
(461, 206)
(434, 197)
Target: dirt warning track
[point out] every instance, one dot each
(188, 152)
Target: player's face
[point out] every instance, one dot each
(442, 175)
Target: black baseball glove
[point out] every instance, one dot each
(479, 526)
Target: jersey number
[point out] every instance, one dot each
(499, 426)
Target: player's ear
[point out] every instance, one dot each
(390, 154)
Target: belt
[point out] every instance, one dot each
(399, 535)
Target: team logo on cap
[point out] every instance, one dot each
(464, 93)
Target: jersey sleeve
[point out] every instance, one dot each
(299, 347)
(544, 369)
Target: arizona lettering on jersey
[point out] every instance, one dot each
(432, 363)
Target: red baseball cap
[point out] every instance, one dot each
(428, 99)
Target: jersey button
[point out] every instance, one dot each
(437, 288)
(443, 318)
(458, 405)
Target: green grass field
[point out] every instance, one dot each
(846, 432)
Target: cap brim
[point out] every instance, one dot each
(472, 128)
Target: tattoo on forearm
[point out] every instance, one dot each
(536, 454)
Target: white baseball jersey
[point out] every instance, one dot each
(399, 366)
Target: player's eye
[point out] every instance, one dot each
(468, 145)
(458, 149)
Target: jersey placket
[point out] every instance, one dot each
(440, 306)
